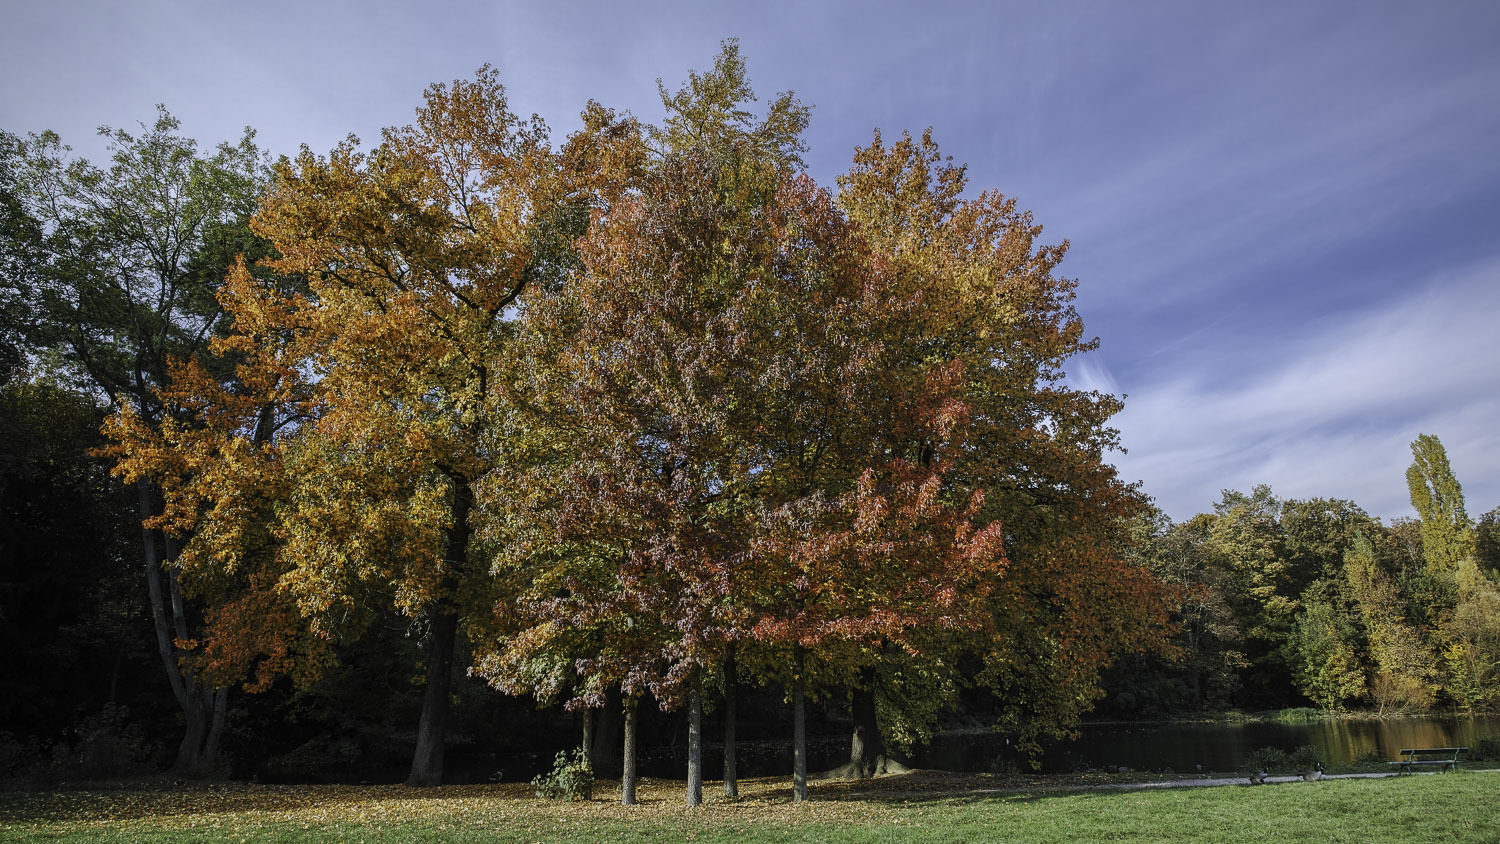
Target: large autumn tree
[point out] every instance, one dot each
(413, 253)
(655, 375)
(992, 314)
(798, 426)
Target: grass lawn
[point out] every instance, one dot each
(918, 806)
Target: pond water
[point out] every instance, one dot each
(1215, 747)
(1181, 748)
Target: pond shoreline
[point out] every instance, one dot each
(1272, 716)
(1203, 745)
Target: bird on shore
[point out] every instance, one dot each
(1259, 777)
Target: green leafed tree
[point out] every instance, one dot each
(1324, 661)
(1487, 543)
(1404, 667)
(22, 259)
(1472, 652)
(124, 276)
(1245, 536)
(1206, 671)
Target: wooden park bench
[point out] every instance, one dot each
(1445, 757)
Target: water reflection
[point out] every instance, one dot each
(1183, 748)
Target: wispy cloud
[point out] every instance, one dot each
(1331, 414)
(1236, 196)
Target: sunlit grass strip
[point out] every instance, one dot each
(898, 808)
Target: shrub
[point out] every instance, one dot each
(571, 778)
(104, 745)
(1303, 759)
(1004, 766)
(20, 759)
(1268, 759)
(1486, 749)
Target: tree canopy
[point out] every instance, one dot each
(652, 416)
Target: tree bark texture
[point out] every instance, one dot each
(169, 617)
(731, 774)
(189, 751)
(799, 731)
(867, 747)
(695, 740)
(427, 761)
(215, 738)
(432, 728)
(203, 732)
(164, 649)
(627, 774)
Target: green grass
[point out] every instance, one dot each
(1458, 807)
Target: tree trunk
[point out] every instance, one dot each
(432, 729)
(146, 509)
(799, 730)
(166, 615)
(868, 754)
(179, 603)
(210, 758)
(695, 740)
(198, 753)
(867, 747)
(196, 730)
(627, 774)
(586, 739)
(427, 761)
(731, 774)
(606, 754)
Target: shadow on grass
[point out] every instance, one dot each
(165, 798)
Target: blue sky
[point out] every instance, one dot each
(1285, 217)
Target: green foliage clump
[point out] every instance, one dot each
(911, 695)
(571, 778)
(104, 745)
(1323, 658)
(1486, 749)
(1304, 759)
(1269, 759)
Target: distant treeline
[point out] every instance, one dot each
(1312, 599)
